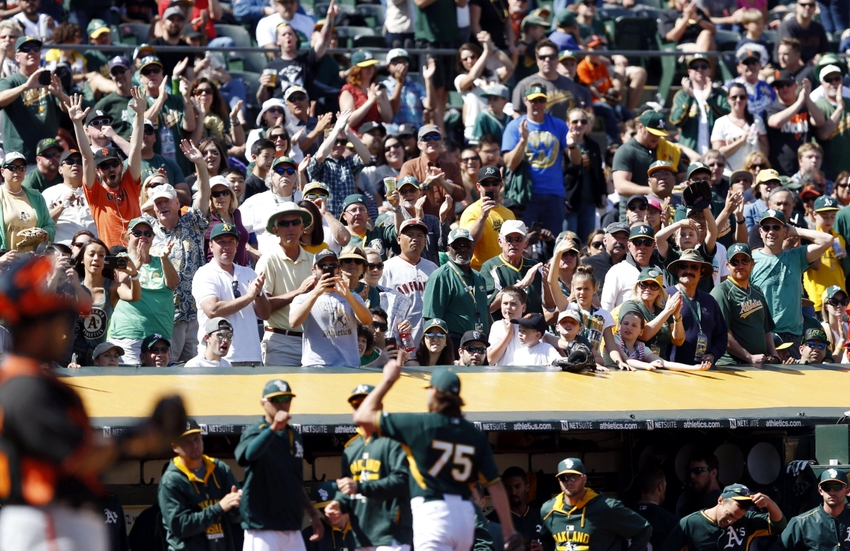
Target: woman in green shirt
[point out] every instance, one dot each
(663, 317)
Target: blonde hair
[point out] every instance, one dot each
(751, 15)
(660, 300)
(143, 193)
(232, 206)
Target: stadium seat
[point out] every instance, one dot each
(237, 32)
(134, 33)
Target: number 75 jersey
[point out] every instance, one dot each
(446, 454)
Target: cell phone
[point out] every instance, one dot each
(328, 270)
(115, 262)
(390, 341)
(536, 226)
(490, 195)
(44, 78)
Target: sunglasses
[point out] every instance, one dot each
(651, 285)
(357, 261)
(475, 349)
(158, 349)
(698, 66)
(220, 193)
(100, 122)
(16, 168)
(431, 138)
(802, 5)
(286, 223)
(749, 62)
(579, 122)
(834, 487)
(833, 80)
(597, 244)
(781, 84)
(143, 233)
(276, 137)
(343, 143)
(836, 302)
(284, 170)
(372, 266)
(117, 72)
(275, 110)
(380, 326)
(297, 97)
(223, 336)
(328, 267)
(634, 207)
(151, 71)
(538, 100)
(771, 227)
(204, 92)
(280, 399)
(109, 164)
(438, 336)
(643, 242)
(515, 239)
(469, 159)
(29, 48)
(566, 479)
(845, 184)
(698, 470)
(738, 98)
(758, 167)
(234, 286)
(149, 131)
(816, 345)
(735, 262)
(396, 145)
(548, 57)
(490, 182)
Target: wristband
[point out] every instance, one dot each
(135, 277)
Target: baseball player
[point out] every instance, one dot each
(446, 454)
(273, 499)
(338, 535)
(729, 524)
(374, 489)
(580, 518)
(827, 526)
(199, 498)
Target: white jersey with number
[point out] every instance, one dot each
(409, 280)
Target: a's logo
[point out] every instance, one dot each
(734, 539)
(111, 516)
(568, 463)
(490, 171)
(323, 494)
(771, 212)
(661, 125)
(361, 389)
(281, 385)
(832, 473)
(226, 227)
(644, 229)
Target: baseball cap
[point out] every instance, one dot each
(738, 492)
(654, 203)
(828, 70)
(97, 27)
(323, 493)
(220, 181)
(413, 223)
(427, 129)
(119, 61)
(222, 229)
(371, 126)
(532, 321)
(572, 314)
(149, 60)
(513, 226)
(217, 324)
(748, 51)
(535, 20)
(814, 334)
(323, 254)
(633, 198)
(436, 322)
(408, 129)
(137, 221)
(277, 387)
(288, 207)
(739, 248)
(651, 274)
(360, 391)
(45, 144)
(68, 154)
(565, 18)
(809, 191)
(567, 54)
(496, 90)
(773, 214)
(571, 465)
(14, 156)
(470, 336)
(192, 427)
(284, 160)
(536, 91)
(26, 40)
(738, 174)
(407, 181)
(594, 41)
(696, 167)
(445, 379)
(397, 53)
(489, 171)
(165, 191)
(697, 57)
(831, 291)
(316, 187)
(767, 175)
(459, 233)
(781, 76)
(641, 230)
(150, 340)
(833, 475)
(659, 165)
(173, 10)
(142, 50)
(352, 251)
(825, 203)
(654, 122)
(289, 91)
(105, 154)
(352, 199)
(615, 227)
(363, 58)
(105, 346)
(96, 114)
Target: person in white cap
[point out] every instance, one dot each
(219, 335)
(153, 162)
(273, 113)
(511, 268)
(406, 95)
(834, 135)
(312, 128)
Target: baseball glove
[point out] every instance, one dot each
(515, 543)
(697, 195)
(30, 237)
(579, 359)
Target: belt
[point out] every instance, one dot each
(284, 332)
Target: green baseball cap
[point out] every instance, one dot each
(536, 91)
(45, 144)
(571, 465)
(149, 60)
(97, 27)
(138, 220)
(815, 334)
(831, 291)
(659, 165)
(535, 20)
(567, 54)
(283, 159)
(360, 391)
(407, 181)
(739, 248)
(436, 322)
(565, 18)
(654, 122)
(738, 492)
(26, 39)
(224, 229)
(351, 200)
(833, 475)
(192, 427)
(697, 57)
(825, 203)
(459, 233)
(277, 387)
(651, 274)
(773, 214)
(695, 167)
(445, 379)
(642, 230)
(363, 58)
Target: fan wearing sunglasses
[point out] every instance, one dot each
(813, 347)
(67, 203)
(281, 187)
(834, 315)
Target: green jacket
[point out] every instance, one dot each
(191, 513)
(697, 532)
(45, 222)
(817, 530)
(498, 273)
(380, 511)
(333, 539)
(596, 523)
(458, 298)
(685, 114)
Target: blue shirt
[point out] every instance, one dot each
(410, 109)
(546, 141)
(564, 41)
(759, 95)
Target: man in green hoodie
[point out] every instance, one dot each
(580, 519)
(199, 498)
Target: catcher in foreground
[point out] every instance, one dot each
(50, 459)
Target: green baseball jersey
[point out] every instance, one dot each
(458, 298)
(333, 539)
(446, 454)
(817, 530)
(380, 511)
(663, 522)
(747, 318)
(596, 523)
(528, 524)
(498, 273)
(39, 182)
(380, 238)
(273, 461)
(488, 535)
(191, 513)
(697, 532)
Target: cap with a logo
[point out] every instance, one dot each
(781, 77)
(654, 203)
(834, 475)
(363, 58)
(567, 54)
(397, 53)
(513, 226)
(322, 494)
(810, 191)
(45, 144)
(739, 174)
(750, 51)
(413, 223)
(150, 340)
(277, 387)
(317, 187)
(569, 314)
(459, 233)
(536, 91)
(360, 391)
(293, 90)
(594, 41)
(14, 156)
(660, 165)
(352, 199)
(217, 324)
(615, 227)
(192, 427)
(105, 154)
(142, 50)
(322, 255)
(104, 347)
(446, 380)
(138, 221)
(26, 39)
(571, 465)
(642, 230)
(284, 160)
(532, 321)
(96, 114)
(773, 214)
(473, 336)
(654, 122)
(815, 334)
(223, 229)
(149, 60)
(496, 90)
(97, 27)
(436, 322)
(738, 492)
(487, 172)
(651, 274)
(767, 175)
(825, 203)
(831, 291)
(697, 57)
(828, 70)
(407, 181)
(696, 167)
(119, 61)
(69, 153)
(427, 129)
(635, 198)
(739, 248)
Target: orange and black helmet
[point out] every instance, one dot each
(24, 292)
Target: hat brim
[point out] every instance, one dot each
(565, 57)
(536, 95)
(149, 63)
(652, 171)
(826, 209)
(39, 42)
(367, 63)
(771, 218)
(190, 431)
(642, 236)
(263, 112)
(782, 81)
(423, 227)
(749, 57)
(703, 264)
(656, 132)
(306, 217)
(275, 394)
(356, 396)
(427, 327)
(99, 32)
(569, 471)
(833, 480)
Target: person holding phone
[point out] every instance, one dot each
(485, 217)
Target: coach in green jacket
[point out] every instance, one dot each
(199, 498)
(827, 526)
(580, 519)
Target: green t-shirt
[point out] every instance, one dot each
(498, 274)
(457, 298)
(154, 313)
(488, 123)
(446, 454)
(437, 22)
(747, 318)
(172, 169)
(780, 278)
(117, 107)
(635, 158)
(697, 532)
(596, 27)
(838, 143)
(168, 128)
(30, 117)
(96, 61)
(379, 238)
(660, 343)
(39, 182)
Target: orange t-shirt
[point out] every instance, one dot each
(113, 210)
(596, 75)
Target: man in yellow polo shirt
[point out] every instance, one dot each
(484, 217)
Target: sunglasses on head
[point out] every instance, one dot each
(634, 207)
(295, 222)
(816, 345)
(143, 233)
(380, 326)
(285, 399)
(643, 242)
(475, 349)
(220, 193)
(284, 170)
(771, 227)
(431, 138)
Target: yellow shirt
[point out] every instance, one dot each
(669, 152)
(18, 215)
(830, 273)
(283, 275)
(313, 250)
(488, 245)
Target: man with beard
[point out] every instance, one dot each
(46, 173)
(711, 529)
(827, 523)
(526, 519)
(99, 131)
(456, 293)
(621, 278)
(511, 268)
(173, 20)
(615, 240)
(702, 488)
(219, 335)
(814, 346)
(473, 351)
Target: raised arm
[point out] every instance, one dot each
(820, 242)
(367, 414)
(77, 114)
(202, 202)
(138, 104)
